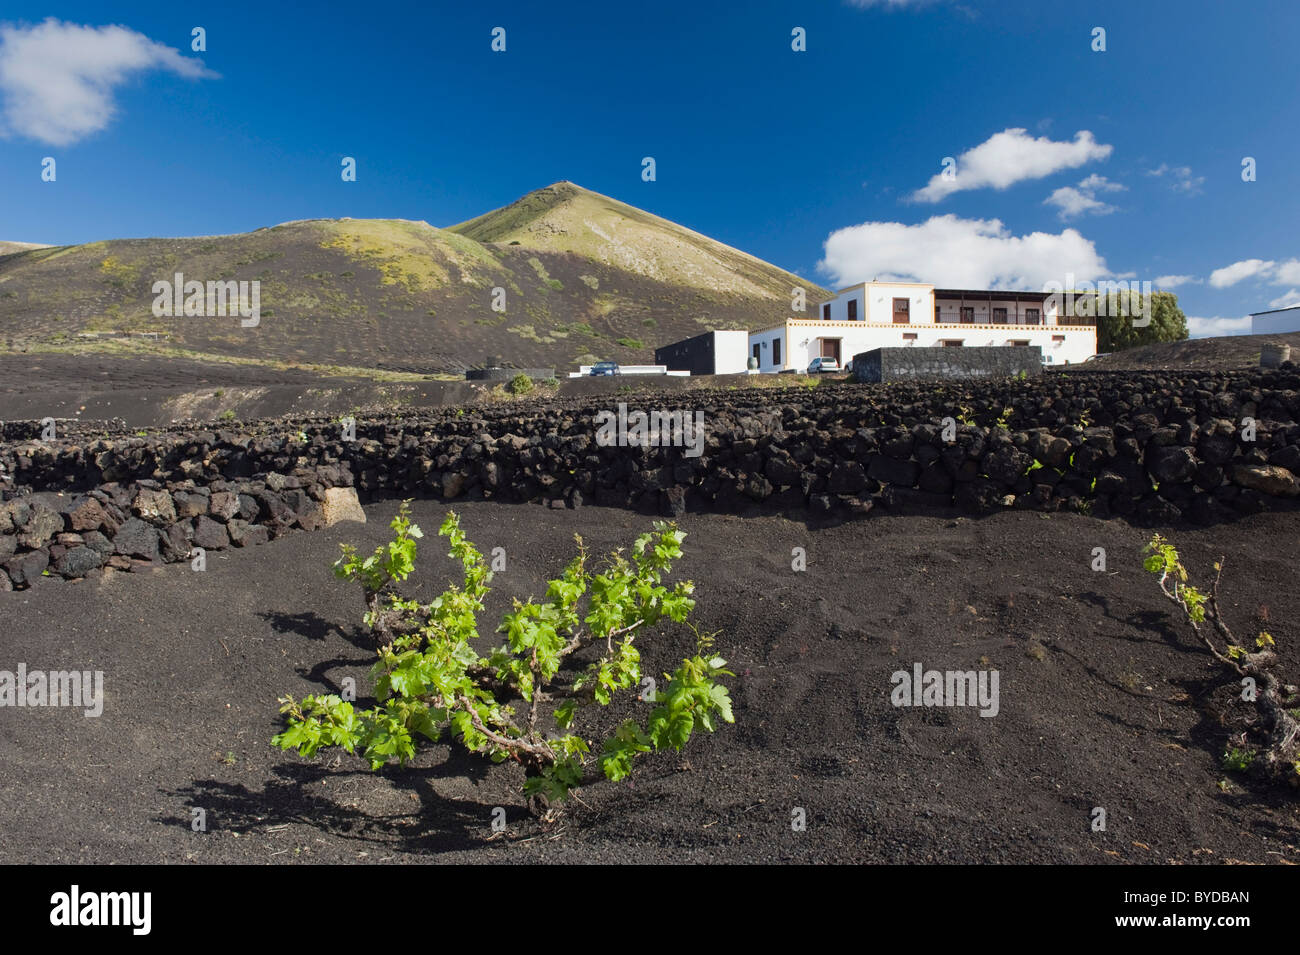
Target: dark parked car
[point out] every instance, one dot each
(605, 368)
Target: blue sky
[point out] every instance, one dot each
(1125, 163)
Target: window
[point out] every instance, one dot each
(1032, 317)
(1058, 338)
(952, 342)
(999, 316)
(901, 316)
(968, 314)
(757, 357)
(1021, 342)
(826, 312)
(776, 351)
(909, 336)
(853, 310)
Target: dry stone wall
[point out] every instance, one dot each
(902, 364)
(1156, 448)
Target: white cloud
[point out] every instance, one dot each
(1180, 178)
(1239, 271)
(1286, 300)
(1213, 327)
(958, 253)
(1013, 156)
(1274, 273)
(1287, 273)
(1173, 281)
(1072, 202)
(1097, 183)
(57, 79)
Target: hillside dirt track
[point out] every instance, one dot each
(1105, 702)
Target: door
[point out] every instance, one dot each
(901, 316)
(831, 348)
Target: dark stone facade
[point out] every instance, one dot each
(907, 364)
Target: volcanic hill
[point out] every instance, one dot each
(585, 277)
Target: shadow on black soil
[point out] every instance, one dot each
(1104, 702)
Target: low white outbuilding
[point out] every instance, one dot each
(712, 353)
(1276, 321)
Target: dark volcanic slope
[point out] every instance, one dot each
(147, 390)
(400, 294)
(1104, 702)
(1229, 351)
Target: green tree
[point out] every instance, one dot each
(1116, 330)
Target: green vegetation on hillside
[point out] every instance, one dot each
(397, 250)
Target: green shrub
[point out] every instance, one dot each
(520, 384)
(1238, 759)
(1270, 748)
(429, 678)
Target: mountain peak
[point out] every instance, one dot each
(504, 224)
(565, 218)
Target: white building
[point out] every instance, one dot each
(712, 353)
(892, 314)
(1276, 321)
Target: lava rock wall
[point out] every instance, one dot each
(1156, 448)
(904, 364)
